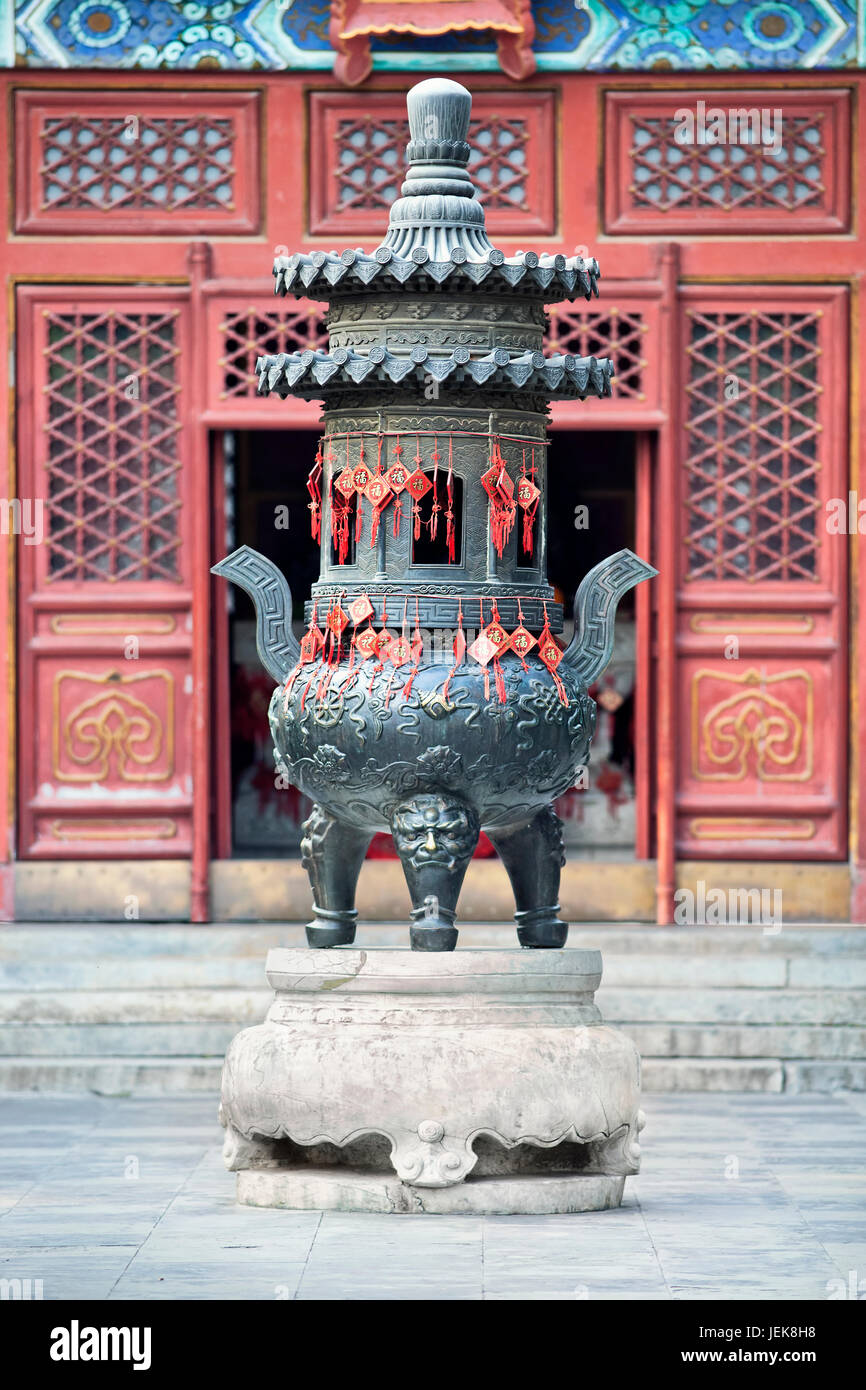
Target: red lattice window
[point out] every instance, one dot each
(728, 161)
(137, 162)
(753, 428)
(615, 333)
(249, 332)
(358, 160)
(111, 445)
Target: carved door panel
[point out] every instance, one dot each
(105, 621)
(761, 662)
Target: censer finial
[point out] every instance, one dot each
(438, 209)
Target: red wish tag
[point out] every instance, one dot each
(377, 490)
(418, 484)
(522, 641)
(398, 476)
(336, 620)
(482, 649)
(361, 608)
(312, 643)
(345, 483)
(549, 652)
(400, 651)
(365, 642)
(527, 492)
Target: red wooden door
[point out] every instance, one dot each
(761, 607)
(105, 619)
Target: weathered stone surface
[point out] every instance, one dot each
(495, 1063)
(319, 1189)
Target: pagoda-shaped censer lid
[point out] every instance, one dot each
(436, 244)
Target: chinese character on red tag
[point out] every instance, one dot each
(418, 484)
(345, 483)
(361, 608)
(365, 642)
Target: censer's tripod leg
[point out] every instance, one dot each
(434, 835)
(533, 857)
(332, 854)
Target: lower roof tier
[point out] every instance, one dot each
(309, 374)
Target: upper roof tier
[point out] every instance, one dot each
(436, 229)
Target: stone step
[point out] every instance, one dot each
(748, 1041)
(149, 1076)
(152, 1008)
(23, 944)
(747, 1006)
(98, 969)
(239, 1007)
(672, 1026)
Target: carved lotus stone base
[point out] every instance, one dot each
(482, 1080)
(323, 1189)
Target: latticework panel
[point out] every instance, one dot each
(90, 162)
(738, 159)
(109, 160)
(249, 332)
(361, 149)
(727, 178)
(614, 333)
(752, 494)
(111, 445)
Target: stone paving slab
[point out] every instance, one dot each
(741, 1196)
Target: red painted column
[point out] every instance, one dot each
(644, 741)
(857, 621)
(199, 270)
(666, 561)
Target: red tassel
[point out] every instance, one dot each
(323, 682)
(416, 506)
(500, 680)
(551, 654)
(359, 493)
(418, 649)
(527, 498)
(433, 523)
(459, 649)
(405, 638)
(315, 491)
(500, 489)
(449, 513)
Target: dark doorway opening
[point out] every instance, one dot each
(266, 506)
(592, 512)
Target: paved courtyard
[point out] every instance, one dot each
(741, 1196)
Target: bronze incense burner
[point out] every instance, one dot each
(428, 495)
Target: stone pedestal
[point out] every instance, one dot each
(479, 1081)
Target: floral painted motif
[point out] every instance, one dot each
(626, 35)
